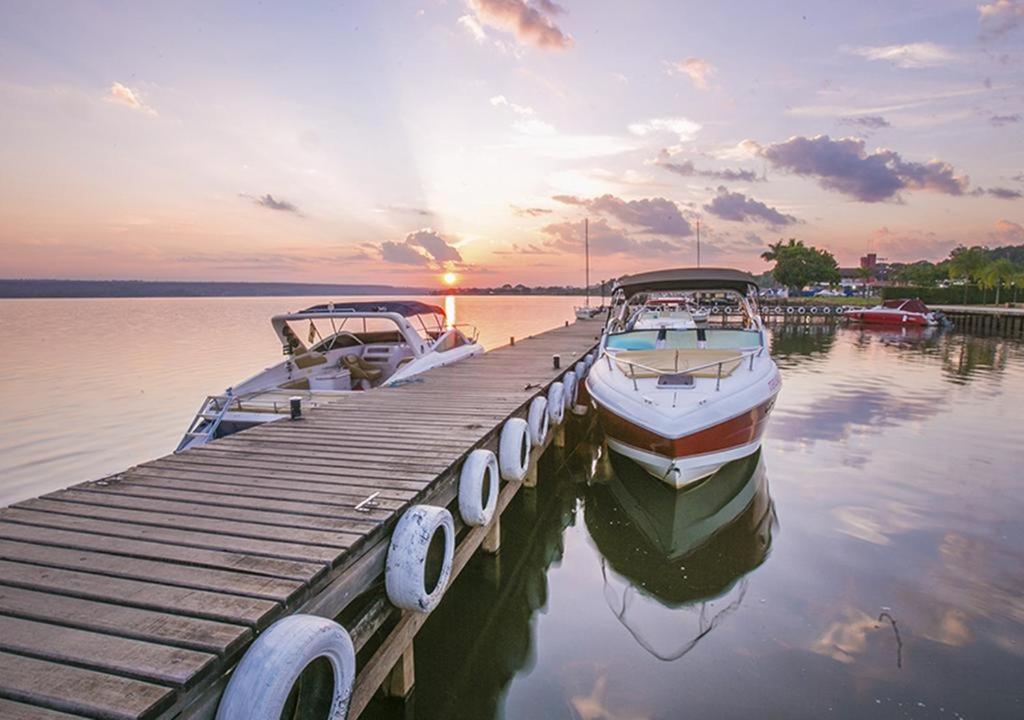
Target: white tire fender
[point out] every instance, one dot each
(405, 572)
(569, 389)
(514, 449)
(581, 371)
(477, 480)
(538, 420)
(556, 403)
(261, 682)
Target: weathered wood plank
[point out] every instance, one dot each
(284, 550)
(210, 636)
(256, 564)
(167, 573)
(61, 687)
(354, 522)
(334, 539)
(10, 710)
(106, 653)
(164, 598)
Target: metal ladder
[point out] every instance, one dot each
(212, 417)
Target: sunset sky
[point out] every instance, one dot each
(394, 141)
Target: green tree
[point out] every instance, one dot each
(865, 274)
(966, 264)
(996, 273)
(797, 265)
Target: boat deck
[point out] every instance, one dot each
(133, 595)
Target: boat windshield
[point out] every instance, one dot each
(684, 339)
(328, 333)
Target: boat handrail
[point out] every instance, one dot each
(659, 372)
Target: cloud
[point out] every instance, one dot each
(402, 254)
(909, 56)
(697, 69)
(502, 101)
(474, 28)
(871, 122)
(530, 211)
(421, 212)
(1000, 120)
(435, 245)
(551, 8)
(653, 215)
(122, 95)
(528, 24)
(271, 203)
(1004, 193)
(1008, 232)
(1001, 16)
(844, 166)
(687, 169)
(740, 208)
(681, 127)
(605, 239)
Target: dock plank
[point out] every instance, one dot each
(222, 639)
(116, 655)
(76, 690)
(164, 598)
(226, 581)
(10, 710)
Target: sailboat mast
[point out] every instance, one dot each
(586, 250)
(698, 243)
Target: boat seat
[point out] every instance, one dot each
(309, 359)
(669, 361)
(361, 369)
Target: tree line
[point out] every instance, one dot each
(798, 265)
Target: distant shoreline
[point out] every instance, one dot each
(27, 289)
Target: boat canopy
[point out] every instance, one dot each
(907, 305)
(406, 308)
(687, 279)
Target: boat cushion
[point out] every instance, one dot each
(361, 369)
(664, 361)
(309, 360)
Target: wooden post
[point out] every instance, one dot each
(560, 436)
(403, 676)
(492, 540)
(530, 480)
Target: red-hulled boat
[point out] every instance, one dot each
(903, 311)
(681, 401)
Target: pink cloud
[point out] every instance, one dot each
(528, 24)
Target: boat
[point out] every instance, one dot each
(586, 312)
(333, 350)
(902, 311)
(683, 401)
(670, 312)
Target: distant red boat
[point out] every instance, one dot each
(897, 312)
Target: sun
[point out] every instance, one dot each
(449, 278)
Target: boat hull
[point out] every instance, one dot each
(869, 317)
(692, 456)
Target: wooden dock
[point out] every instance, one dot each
(134, 596)
(985, 320)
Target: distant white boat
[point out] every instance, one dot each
(332, 350)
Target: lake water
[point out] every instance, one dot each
(868, 563)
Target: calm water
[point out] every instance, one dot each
(868, 563)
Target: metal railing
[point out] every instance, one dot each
(751, 354)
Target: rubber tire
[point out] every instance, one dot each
(556, 403)
(802, 310)
(814, 309)
(405, 569)
(261, 682)
(581, 371)
(569, 389)
(790, 309)
(514, 450)
(481, 466)
(827, 309)
(538, 420)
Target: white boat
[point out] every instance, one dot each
(332, 350)
(586, 312)
(680, 312)
(683, 401)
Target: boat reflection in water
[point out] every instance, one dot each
(664, 550)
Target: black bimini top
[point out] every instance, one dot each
(406, 308)
(686, 279)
